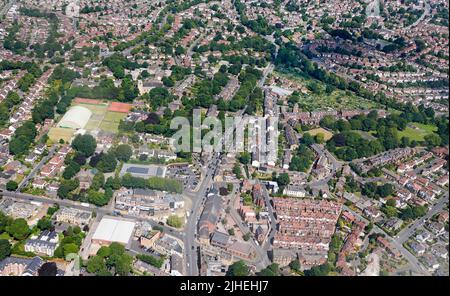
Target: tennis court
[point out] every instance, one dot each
(120, 107)
(111, 120)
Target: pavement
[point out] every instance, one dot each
(86, 245)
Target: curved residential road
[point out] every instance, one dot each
(414, 262)
(424, 14)
(404, 234)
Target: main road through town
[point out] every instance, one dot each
(90, 207)
(190, 244)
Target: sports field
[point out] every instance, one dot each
(98, 112)
(102, 118)
(106, 116)
(111, 120)
(120, 107)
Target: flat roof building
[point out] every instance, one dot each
(112, 230)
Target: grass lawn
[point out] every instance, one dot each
(417, 133)
(57, 133)
(5, 235)
(327, 135)
(426, 127)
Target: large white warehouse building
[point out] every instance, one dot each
(113, 230)
(76, 118)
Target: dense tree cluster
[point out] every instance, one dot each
(45, 224)
(122, 152)
(110, 260)
(70, 243)
(175, 221)
(89, 9)
(48, 269)
(5, 249)
(157, 97)
(64, 74)
(413, 212)
(248, 93)
(321, 270)
(117, 63)
(178, 74)
(12, 42)
(372, 190)
(348, 144)
(271, 270)
(302, 159)
(152, 260)
(260, 25)
(175, 6)
(66, 188)
(12, 185)
(351, 145)
(206, 89)
(15, 228)
(238, 268)
(45, 108)
(84, 144)
(23, 138)
(156, 183)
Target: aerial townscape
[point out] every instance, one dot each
(348, 174)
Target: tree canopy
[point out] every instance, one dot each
(84, 144)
